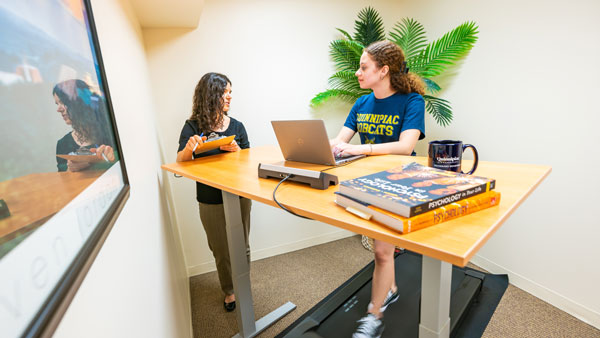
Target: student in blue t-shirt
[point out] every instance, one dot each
(390, 120)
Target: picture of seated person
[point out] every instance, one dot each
(86, 113)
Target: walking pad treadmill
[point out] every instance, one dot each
(336, 314)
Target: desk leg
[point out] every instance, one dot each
(435, 298)
(240, 272)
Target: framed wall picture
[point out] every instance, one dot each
(63, 179)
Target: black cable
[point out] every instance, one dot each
(279, 204)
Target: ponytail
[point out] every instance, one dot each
(407, 83)
(388, 53)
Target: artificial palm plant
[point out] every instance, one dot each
(425, 60)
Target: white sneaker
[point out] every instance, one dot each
(370, 327)
(389, 299)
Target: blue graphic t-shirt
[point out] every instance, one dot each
(382, 120)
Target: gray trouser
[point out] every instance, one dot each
(213, 220)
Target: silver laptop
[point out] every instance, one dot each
(307, 141)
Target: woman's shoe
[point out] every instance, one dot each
(391, 297)
(229, 306)
(370, 327)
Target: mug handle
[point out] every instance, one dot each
(476, 161)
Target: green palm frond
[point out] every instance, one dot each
(345, 80)
(410, 36)
(425, 60)
(431, 86)
(369, 27)
(439, 109)
(346, 54)
(322, 97)
(345, 34)
(436, 57)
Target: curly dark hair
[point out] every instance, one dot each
(207, 109)
(86, 110)
(387, 53)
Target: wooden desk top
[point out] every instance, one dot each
(33, 198)
(455, 241)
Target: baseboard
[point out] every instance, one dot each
(302, 244)
(277, 250)
(575, 309)
(201, 268)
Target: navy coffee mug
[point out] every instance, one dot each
(447, 155)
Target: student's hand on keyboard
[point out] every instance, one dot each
(346, 149)
(336, 152)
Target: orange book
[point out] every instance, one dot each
(405, 225)
(414, 189)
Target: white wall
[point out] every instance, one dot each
(137, 286)
(275, 71)
(525, 94)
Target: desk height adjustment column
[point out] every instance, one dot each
(436, 283)
(240, 271)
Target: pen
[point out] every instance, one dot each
(103, 156)
(196, 146)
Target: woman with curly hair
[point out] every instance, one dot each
(212, 98)
(390, 120)
(86, 113)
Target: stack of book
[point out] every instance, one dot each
(414, 196)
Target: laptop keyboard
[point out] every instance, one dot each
(341, 157)
(347, 158)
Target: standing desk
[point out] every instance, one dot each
(453, 242)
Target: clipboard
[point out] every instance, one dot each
(213, 144)
(81, 158)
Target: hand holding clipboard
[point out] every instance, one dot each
(231, 147)
(199, 143)
(223, 142)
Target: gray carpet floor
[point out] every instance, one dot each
(306, 276)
